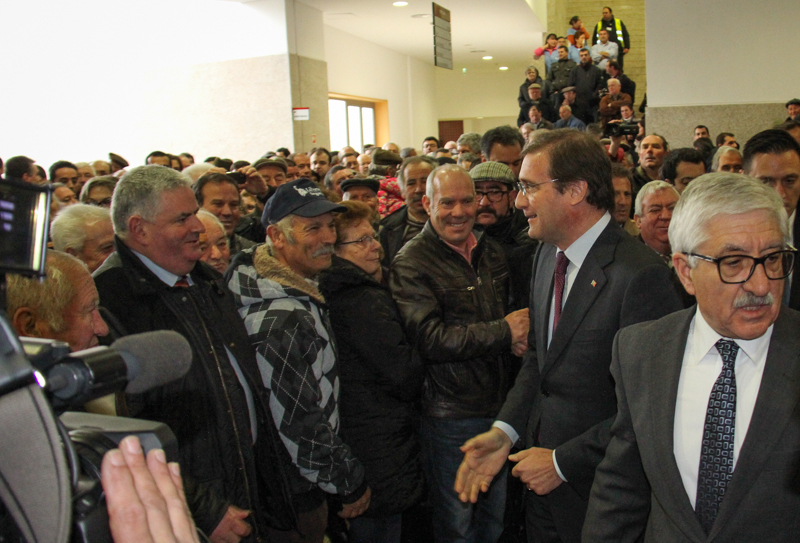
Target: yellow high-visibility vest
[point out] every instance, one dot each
(618, 24)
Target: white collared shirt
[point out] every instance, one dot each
(170, 279)
(576, 254)
(701, 367)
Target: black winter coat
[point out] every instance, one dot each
(206, 408)
(381, 379)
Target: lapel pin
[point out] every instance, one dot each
(594, 283)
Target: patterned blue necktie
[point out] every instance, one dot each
(716, 459)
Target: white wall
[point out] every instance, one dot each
(361, 68)
(132, 76)
(480, 92)
(721, 51)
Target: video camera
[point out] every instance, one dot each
(50, 489)
(622, 129)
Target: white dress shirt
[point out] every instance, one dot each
(170, 279)
(576, 254)
(701, 367)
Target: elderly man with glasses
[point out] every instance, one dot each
(705, 443)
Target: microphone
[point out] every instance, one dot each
(135, 363)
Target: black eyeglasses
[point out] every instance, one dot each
(735, 269)
(524, 187)
(363, 241)
(492, 195)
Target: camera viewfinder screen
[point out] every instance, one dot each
(24, 220)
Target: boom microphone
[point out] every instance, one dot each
(136, 363)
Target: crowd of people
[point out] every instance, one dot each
(381, 336)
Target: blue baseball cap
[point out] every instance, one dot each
(300, 197)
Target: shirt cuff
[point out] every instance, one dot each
(507, 429)
(555, 463)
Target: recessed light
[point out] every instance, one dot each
(504, 67)
(399, 4)
(487, 57)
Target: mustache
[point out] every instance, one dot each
(325, 250)
(416, 197)
(487, 210)
(748, 299)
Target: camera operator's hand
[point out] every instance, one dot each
(232, 528)
(255, 184)
(145, 501)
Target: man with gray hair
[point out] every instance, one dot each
(63, 307)
(275, 289)
(469, 143)
(155, 281)
(451, 285)
(85, 232)
(568, 120)
(704, 444)
(653, 214)
(727, 159)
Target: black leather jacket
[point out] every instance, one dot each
(454, 316)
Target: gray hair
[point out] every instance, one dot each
(203, 214)
(613, 80)
(286, 227)
(139, 193)
(471, 140)
(720, 193)
(566, 106)
(197, 170)
(720, 152)
(650, 188)
(108, 181)
(69, 227)
(48, 298)
(442, 170)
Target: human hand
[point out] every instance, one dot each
(484, 456)
(232, 528)
(352, 510)
(536, 469)
(624, 51)
(519, 322)
(255, 184)
(145, 499)
(519, 349)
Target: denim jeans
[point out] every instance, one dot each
(454, 521)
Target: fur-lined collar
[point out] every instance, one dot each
(268, 266)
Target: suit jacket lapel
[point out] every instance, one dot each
(777, 400)
(587, 286)
(542, 294)
(663, 395)
(794, 291)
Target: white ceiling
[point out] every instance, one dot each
(509, 34)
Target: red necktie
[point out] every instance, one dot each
(560, 279)
(182, 282)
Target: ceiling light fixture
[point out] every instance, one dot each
(399, 4)
(487, 57)
(504, 67)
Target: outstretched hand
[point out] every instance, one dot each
(484, 457)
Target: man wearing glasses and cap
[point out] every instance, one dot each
(275, 290)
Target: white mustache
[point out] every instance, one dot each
(323, 251)
(749, 299)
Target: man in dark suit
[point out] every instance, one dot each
(706, 441)
(773, 156)
(589, 280)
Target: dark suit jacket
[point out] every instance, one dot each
(794, 295)
(638, 485)
(564, 395)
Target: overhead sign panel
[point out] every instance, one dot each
(442, 39)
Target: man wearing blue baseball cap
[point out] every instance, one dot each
(275, 289)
